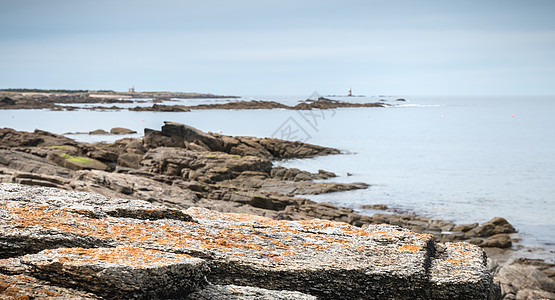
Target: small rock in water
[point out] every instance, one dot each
(374, 206)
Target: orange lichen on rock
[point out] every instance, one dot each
(122, 256)
(25, 287)
(218, 234)
(410, 248)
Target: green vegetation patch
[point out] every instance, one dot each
(235, 155)
(77, 159)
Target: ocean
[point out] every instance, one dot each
(459, 158)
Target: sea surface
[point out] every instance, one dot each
(460, 158)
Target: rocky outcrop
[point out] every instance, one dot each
(320, 103)
(167, 255)
(179, 177)
(7, 101)
(13, 138)
(121, 130)
(162, 108)
(254, 104)
(525, 279)
(325, 103)
(183, 136)
(50, 99)
(494, 233)
(99, 132)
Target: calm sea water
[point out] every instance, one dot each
(464, 159)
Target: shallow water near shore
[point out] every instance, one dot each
(463, 159)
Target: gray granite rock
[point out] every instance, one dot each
(146, 251)
(235, 292)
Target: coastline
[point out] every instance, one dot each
(237, 176)
(64, 101)
(259, 201)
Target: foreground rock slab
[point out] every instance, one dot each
(132, 249)
(120, 272)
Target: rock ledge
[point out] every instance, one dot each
(103, 254)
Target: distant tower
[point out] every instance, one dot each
(350, 92)
(132, 89)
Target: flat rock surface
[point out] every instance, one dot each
(130, 248)
(235, 292)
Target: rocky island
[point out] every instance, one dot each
(63, 100)
(184, 213)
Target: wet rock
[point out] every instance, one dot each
(374, 206)
(121, 130)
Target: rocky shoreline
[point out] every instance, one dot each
(49, 99)
(182, 168)
(52, 101)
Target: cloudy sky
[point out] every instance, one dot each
(280, 47)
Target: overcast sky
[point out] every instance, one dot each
(280, 47)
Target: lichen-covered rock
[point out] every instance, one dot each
(27, 287)
(235, 292)
(454, 263)
(121, 272)
(142, 248)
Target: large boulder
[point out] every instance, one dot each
(494, 226)
(121, 130)
(175, 135)
(183, 136)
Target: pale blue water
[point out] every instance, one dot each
(463, 159)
